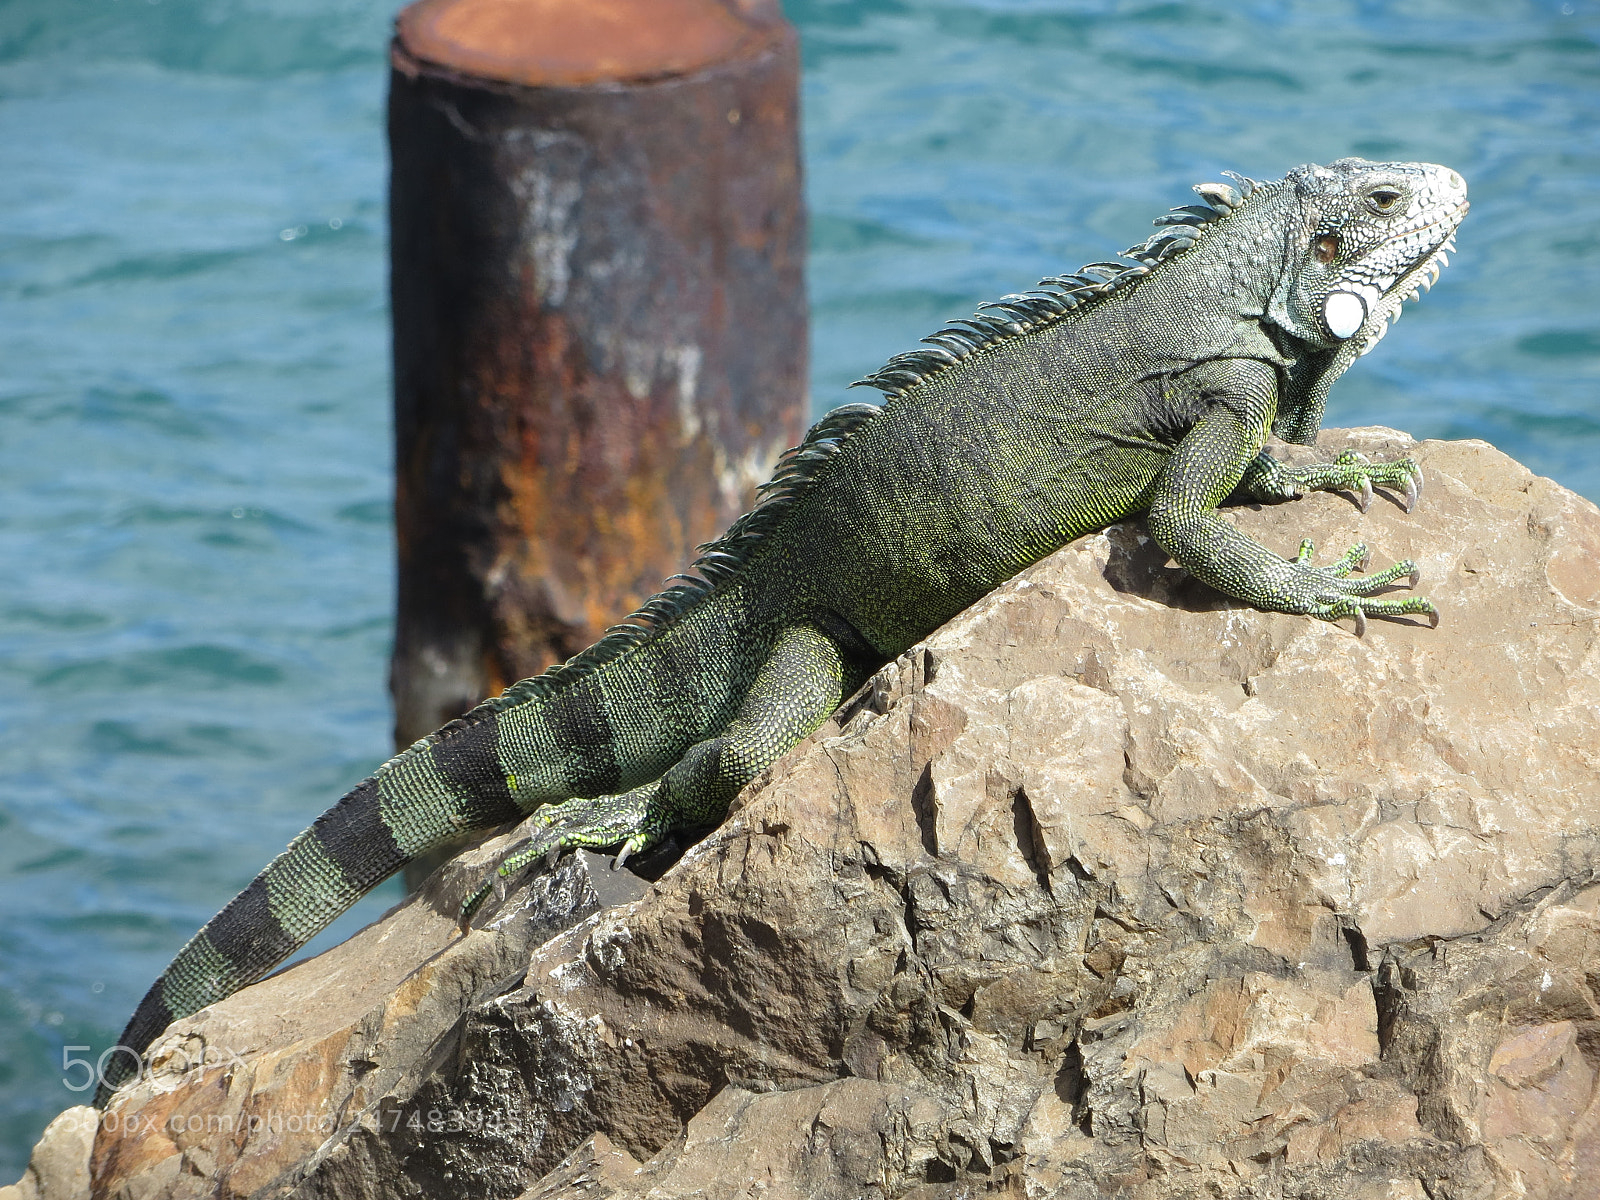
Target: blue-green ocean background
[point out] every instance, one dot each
(194, 376)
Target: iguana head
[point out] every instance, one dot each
(1370, 235)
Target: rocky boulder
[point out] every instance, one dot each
(1110, 885)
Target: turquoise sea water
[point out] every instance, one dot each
(196, 595)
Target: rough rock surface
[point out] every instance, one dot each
(58, 1168)
(1111, 885)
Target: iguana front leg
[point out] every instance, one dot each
(1212, 460)
(802, 680)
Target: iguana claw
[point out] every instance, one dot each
(531, 849)
(1334, 596)
(604, 821)
(1351, 471)
(471, 905)
(637, 844)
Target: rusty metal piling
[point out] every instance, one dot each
(599, 316)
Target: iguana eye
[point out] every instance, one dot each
(1325, 248)
(1383, 199)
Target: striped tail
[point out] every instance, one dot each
(607, 720)
(427, 795)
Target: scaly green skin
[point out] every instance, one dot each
(1147, 387)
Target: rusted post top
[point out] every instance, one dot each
(559, 43)
(597, 243)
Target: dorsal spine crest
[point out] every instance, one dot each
(1060, 296)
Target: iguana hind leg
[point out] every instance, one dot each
(800, 683)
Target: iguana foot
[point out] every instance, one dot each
(1331, 595)
(1268, 479)
(1351, 472)
(630, 818)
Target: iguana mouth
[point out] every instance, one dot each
(1411, 284)
(1452, 218)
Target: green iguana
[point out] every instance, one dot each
(1146, 386)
